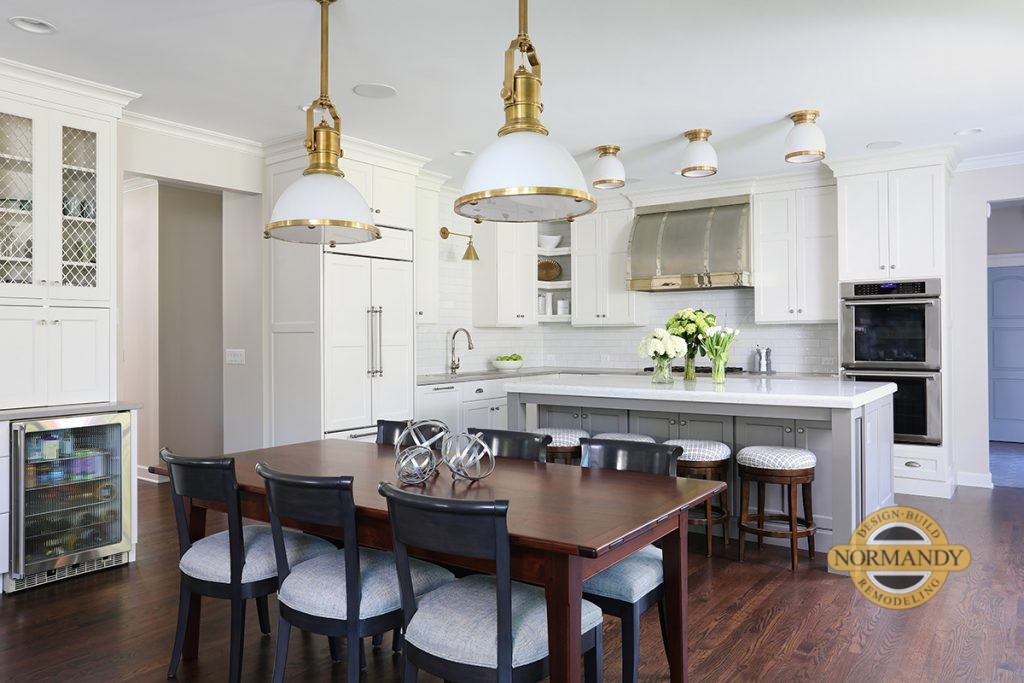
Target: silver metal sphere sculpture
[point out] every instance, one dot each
(417, 455)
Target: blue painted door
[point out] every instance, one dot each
(1006, 353)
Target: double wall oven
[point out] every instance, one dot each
(892, 332)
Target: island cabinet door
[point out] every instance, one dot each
(756, 431)
(559, 417)
(602, 421)
(817, 438)
(660, 426)
(706, 428)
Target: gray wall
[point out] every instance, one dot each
(190, 285)
(1006, 229)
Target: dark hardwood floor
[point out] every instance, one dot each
(750, 621)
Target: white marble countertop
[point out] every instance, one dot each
(806, 392)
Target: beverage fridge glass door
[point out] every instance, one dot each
(71, 493)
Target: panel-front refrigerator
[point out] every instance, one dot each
(71, 507)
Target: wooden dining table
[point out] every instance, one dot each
(565, 524)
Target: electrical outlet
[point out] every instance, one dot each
(234, 356)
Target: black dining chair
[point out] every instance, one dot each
(481, 627)
(518, 445)
(630, 587)
(388, 432)
(237, 564)
(322, 594)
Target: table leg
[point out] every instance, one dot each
(673, 550)
(564, 591)
(196, 530)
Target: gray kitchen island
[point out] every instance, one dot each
(848, 425)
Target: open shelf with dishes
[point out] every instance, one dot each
(554, 272)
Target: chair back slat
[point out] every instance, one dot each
(630, 456)
(388, 432)
(519, 445)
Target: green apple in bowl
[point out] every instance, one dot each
(508, 363)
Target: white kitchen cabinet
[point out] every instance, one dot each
(892, 224)
(59, 355)
(391, 194)
(440, 402)
(426, 258)
(488, 414)
(56, 212)
(368, 341)
(505, 277)
(795, 252)
(600, 243)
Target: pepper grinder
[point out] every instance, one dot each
(764, 360)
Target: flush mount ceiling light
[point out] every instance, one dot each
(463, 153)
(524, 176)
(377, 91)
(699, 158)
(470, 254)
(322, 207)
(805, 142)
(609, 173)
(969, 131)
(883, 144)
(32, 25)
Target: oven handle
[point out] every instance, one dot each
(890, 302)
(930, 376)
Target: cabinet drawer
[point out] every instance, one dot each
(5, 486)
(916, 467)
(485, 389)
(367, 434)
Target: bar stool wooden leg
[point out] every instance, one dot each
(723, 500)
(760, 513)
(744, 513)
(808, 516)
(793, 540)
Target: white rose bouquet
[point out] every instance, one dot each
(662, 347)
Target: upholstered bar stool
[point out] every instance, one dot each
(790, 467)
(622, 436)
(703, 459)
(565, 444)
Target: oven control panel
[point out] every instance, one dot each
(887, 288)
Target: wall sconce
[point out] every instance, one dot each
(470, 254)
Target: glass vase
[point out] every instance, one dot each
(690, 370)
(718, 369)
(662, 371)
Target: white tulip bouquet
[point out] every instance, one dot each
(717, 341)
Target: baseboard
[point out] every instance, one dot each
(981, 480)
(924, 487)
(143, 473)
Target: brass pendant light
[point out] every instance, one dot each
(322, 207)
(524, 176)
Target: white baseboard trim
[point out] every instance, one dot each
(981, 480)
(924, 487)
(142, 472)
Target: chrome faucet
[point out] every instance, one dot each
(456, 362)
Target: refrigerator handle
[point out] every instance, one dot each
(380, 342)
(18, 503)
(370, 363)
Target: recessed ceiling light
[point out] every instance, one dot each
(463, 153)
(969, 131)
(883, 144)
(377, 91)
(32, 25)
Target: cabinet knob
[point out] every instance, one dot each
(55, 283)
(419, 312)
(799, 310)
(376, 210)
(789, 429)
(893, 266)
(56, 322)
(41, 282)
(43, 322)
(800, 430)
(882, 267)
(575, 416)
(671, 422)
(682, 423)
(791, 310)
(585, 416)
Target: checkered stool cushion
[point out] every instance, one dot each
(616, 436)
(699, 450)
(564, 438)
(776, 458)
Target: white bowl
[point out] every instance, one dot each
(506, 365)
(548, 241)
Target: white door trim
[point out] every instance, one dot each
(1005, 260)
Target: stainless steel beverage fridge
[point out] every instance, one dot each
(71, 508)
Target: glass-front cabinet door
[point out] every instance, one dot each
(22, 242)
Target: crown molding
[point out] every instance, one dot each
(695, 190)
(32, 82)
(431, 180)
(132, 183)
(991, 161)
(193, 133)
(293, 146)
(935, 155)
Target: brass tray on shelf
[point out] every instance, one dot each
(548, 270)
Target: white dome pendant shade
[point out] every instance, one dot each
(699, 158)
(805, 142)
(322, 207)
(524, 176)
(609, 173)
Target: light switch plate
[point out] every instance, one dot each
(234, 356)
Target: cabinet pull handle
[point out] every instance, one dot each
(479, 390)
(370, 345)
(55, 322)
(41, 282)
(447, 388)
(362, 435)
(911, 463)
(380, 341)
(789, 429)
(881, 267)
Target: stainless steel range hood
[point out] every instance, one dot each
(691, 245)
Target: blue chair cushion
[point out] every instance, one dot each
(209, 558)
(318, 586)
(458, 622)
(630, 579)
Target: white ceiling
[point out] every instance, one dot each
(636, 74)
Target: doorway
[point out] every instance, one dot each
(1006, 342)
